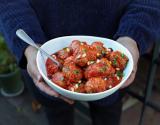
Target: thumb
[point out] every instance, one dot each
(33, 71)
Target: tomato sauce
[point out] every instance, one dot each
(87, 68)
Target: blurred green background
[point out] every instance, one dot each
(7, 60)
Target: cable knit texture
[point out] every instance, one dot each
(43, 20)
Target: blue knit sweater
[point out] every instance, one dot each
(47, 19)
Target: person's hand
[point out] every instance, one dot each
(131, 45)
(32, 69)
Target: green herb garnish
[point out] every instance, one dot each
(98, 47)
(103, 52)
(76, 71)
(119, 73)
(122, 55)
(116, 56)
(84, 50)
(103, 69)
(79, 84)
(114, 61)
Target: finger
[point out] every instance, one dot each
(48, 90)
(66, 99)
(33, 72)
(45, 88)
(129, 80)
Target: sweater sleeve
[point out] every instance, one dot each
(15, 14)
(141, 21)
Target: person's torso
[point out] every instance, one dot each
(79, 17)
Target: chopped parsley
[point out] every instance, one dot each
(65, 48)
(119, 74)
(103, 69)
(76, 71)
(114, 61)
(98, 47)
(84, 50)
(122, 55)
(79, 84)
(116, 56)
(103, 52)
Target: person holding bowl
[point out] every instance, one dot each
(133, 23)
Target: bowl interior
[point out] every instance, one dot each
(56, 44)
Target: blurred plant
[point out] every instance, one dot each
(7, 60)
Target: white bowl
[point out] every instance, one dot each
(56, 44)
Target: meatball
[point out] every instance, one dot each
(69, 60)
(84, 54)
(58, 78)
(51, 67)
(72, 72)
(64, 53)
(99, 48)
(75, 45)
(112, 81)
(95, 84)
(118, 59)
(78, 87)
(101, 68)
(107, 52)
(87, 68)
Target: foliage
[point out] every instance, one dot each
(7, 60)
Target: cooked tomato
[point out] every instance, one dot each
(78, 87)
(99, 48)
(72, 72)
(101, 68)
(95, 84)
(112, 81)
(64, 53)
(87, 68)
(51, 67)
(118, 59)
(84, 54)
(58, 78)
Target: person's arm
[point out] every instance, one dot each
(139, 27)
(15, 14)
(141, 22)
